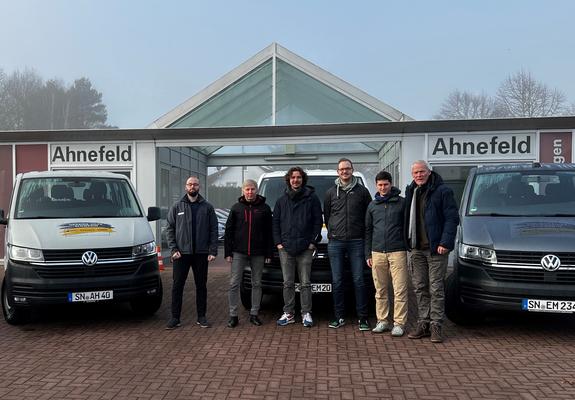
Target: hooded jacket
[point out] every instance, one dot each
(344, 212)
(384, 221)
(440, 213)
(297, 222)
(179, 229)
(249, 228)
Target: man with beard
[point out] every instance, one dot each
(192, 234)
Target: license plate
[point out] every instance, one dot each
(316, 287)
(553, 306)
(90, 296)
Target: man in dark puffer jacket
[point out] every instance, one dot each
(385, 250)
(248, 240)
(431, 224)
(297, 225)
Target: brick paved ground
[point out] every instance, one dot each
(103, 352)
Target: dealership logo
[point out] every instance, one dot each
(550, 262)
(89, 258)
(91, 154)
(495, 145)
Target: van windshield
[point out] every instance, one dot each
(525, 193)
(274, 187)
(75, 197)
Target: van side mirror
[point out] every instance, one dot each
(3, 220)
(154, 213)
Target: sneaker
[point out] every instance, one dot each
(421, 331)
(306, 320)
(337, 323)
(397, 331)
(436, 334)
(173, 323)
(233, 322)
(255, 320)
(381, 327)
(286, 319)
(364, 325)
(203, 322)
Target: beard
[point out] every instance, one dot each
(193, 193)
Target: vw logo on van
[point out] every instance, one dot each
(89, 258)
(550, 262)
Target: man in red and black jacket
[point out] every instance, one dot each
(248, 240)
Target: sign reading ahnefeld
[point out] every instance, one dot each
(499, 146)
(91, 154)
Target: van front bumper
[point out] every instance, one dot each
(504, 288)
(30, 285)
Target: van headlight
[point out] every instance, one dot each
(145, 249)
(477, 253)
(25, 254)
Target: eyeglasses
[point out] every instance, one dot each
(192, 184)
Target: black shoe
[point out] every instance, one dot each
(255, 320)
(203, 322)
(233, 322)
(421, 331)
(173, 323)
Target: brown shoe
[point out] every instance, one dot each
(436, 334)
(421, 331)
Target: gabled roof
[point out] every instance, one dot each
(276, 52)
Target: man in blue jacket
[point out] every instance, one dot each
(431, 224)
(297, 222)
(192, 233)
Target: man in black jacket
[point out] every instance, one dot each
(248, 241)
(344, 209)
(192, 234)
(431, 225)
(385, 250)
(297, 229)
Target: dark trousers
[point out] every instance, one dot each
(199, 264)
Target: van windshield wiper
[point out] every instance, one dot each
(496, 215)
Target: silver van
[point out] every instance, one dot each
(77, 237)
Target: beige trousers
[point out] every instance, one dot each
(392, 264)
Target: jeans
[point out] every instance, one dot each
(395, 264)
(337, 250)
(428, 276)
(239, 261)
(289, 264)
(199, 264)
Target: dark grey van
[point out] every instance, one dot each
(515, 247)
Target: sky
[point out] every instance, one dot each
(147, 57)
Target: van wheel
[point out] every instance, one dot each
(14, 315)
(148, 305)
(455, 310)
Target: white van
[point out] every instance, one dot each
(78, 236)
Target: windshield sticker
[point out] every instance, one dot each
(81, 228)
(542, 228)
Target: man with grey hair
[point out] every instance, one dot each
(431, 224)
(248, 241)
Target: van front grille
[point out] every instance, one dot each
(531, 275)
(67, 255)
(532, 258)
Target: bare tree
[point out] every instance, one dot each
(520, 95)
(466, 105)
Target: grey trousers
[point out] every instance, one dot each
(289, 264)
(239, 261)
(428, 276)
